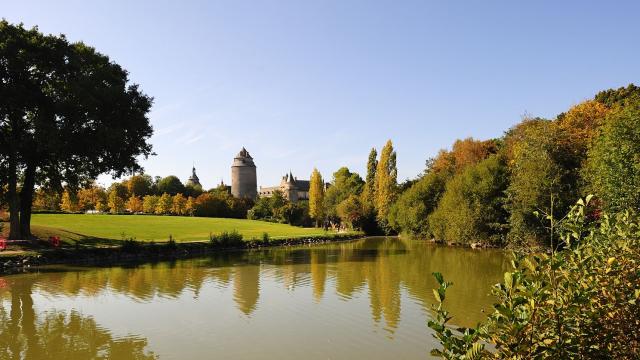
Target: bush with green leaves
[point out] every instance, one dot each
(131, 245)
(266, 238)
(226, 239)
(582, 300)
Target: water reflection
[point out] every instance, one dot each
(392, 276)
(58, 335)
(246, 287)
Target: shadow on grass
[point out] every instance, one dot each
(70, 238)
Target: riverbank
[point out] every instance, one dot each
(30, 256)
(472, 245)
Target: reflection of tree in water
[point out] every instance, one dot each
(388, 265)
(380, 268)
(59, 335)
(246, 287)
(318, 270)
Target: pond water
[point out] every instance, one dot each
(369, 298)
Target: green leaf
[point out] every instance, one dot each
(438, 277)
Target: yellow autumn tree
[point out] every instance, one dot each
(316, 197)
(134, 204)
(190, 206)
(164, 204)
(386, 183)
(88, 197)
(115, 203)
(178, 206)
(582, 123)
(69, 202)
(100, 207)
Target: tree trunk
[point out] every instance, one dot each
(26, 201)
(14, 201)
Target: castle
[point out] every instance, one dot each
(244, 181)
(292, 188)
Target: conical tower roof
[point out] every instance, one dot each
(244, 154)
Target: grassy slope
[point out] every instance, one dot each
(157, 228)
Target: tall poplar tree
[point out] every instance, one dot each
(386, 183)
(368, 194)
(316, 196)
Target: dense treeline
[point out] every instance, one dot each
(142, 194)
(490, 191)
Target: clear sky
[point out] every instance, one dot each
(318, 83)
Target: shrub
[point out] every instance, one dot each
(226, 239)
(130, 246)
(171, 244)
(580, 302)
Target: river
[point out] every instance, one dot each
(364, 299)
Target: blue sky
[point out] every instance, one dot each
(318, 83)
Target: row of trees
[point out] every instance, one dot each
(491, 191)
(130, 196)
(143, 184)
(355, 202)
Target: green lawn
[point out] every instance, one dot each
(89, 227)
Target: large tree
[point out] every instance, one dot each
(139, 185)
(67, 114)
(472, 206)
(344, 184)
(544, 177)
(368, 193)
(170, 185)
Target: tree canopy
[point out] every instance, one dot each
(170, 185)
(344, 184)
(613, 168)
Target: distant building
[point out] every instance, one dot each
(193, 179)
(244, 183)
(224, 187)
(292, 188)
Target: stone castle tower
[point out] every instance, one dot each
(244, 183)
